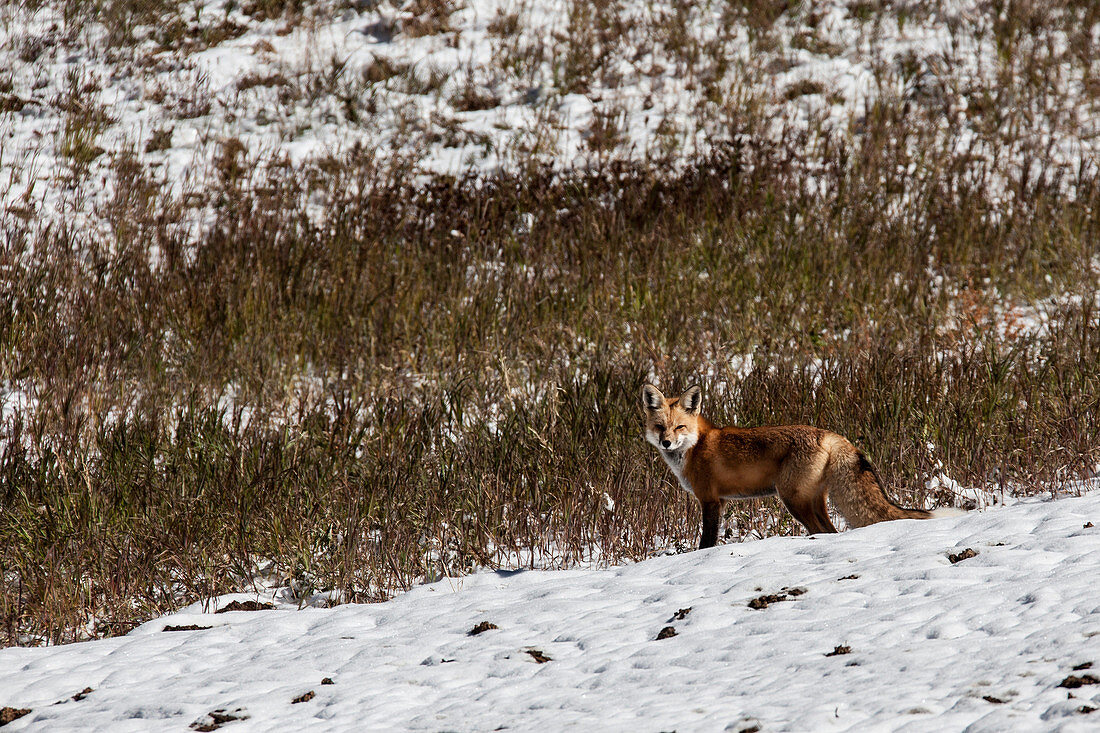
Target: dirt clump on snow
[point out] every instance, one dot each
(217, 718)
(246, 606)
(8, 714)
(1072, 682)
(765, 600)
(481, 628)
(964, 555)
(186, 627)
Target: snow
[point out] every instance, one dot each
(306, 90)
(980, 645)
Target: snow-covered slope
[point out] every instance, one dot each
(484, 84)
(997, 641)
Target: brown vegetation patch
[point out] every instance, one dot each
(1074, 681)
(964, 555)
(8, 714)
(186, 627)
(245, 606)
(481, 628)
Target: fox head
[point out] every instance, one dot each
(671, 425)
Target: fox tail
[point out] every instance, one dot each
(858, 494)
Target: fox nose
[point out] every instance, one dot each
(665, 442)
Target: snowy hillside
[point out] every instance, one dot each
(475, 85)
(874, 629)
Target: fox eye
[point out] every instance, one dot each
(659, 427)
(681, 427)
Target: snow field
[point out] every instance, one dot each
(980, 645)
(363, 75)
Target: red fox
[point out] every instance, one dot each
(801, 464)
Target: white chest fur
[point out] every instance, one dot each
(675, 461)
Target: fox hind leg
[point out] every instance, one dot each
(821, 513)
(801, 487)
(807, 505)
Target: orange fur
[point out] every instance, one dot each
(804, 465)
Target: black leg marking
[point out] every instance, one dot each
(712, 512)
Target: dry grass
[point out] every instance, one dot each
(431, 377)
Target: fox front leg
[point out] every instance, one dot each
(712, 512)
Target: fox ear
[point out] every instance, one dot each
(691, 399)
(652, 398)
